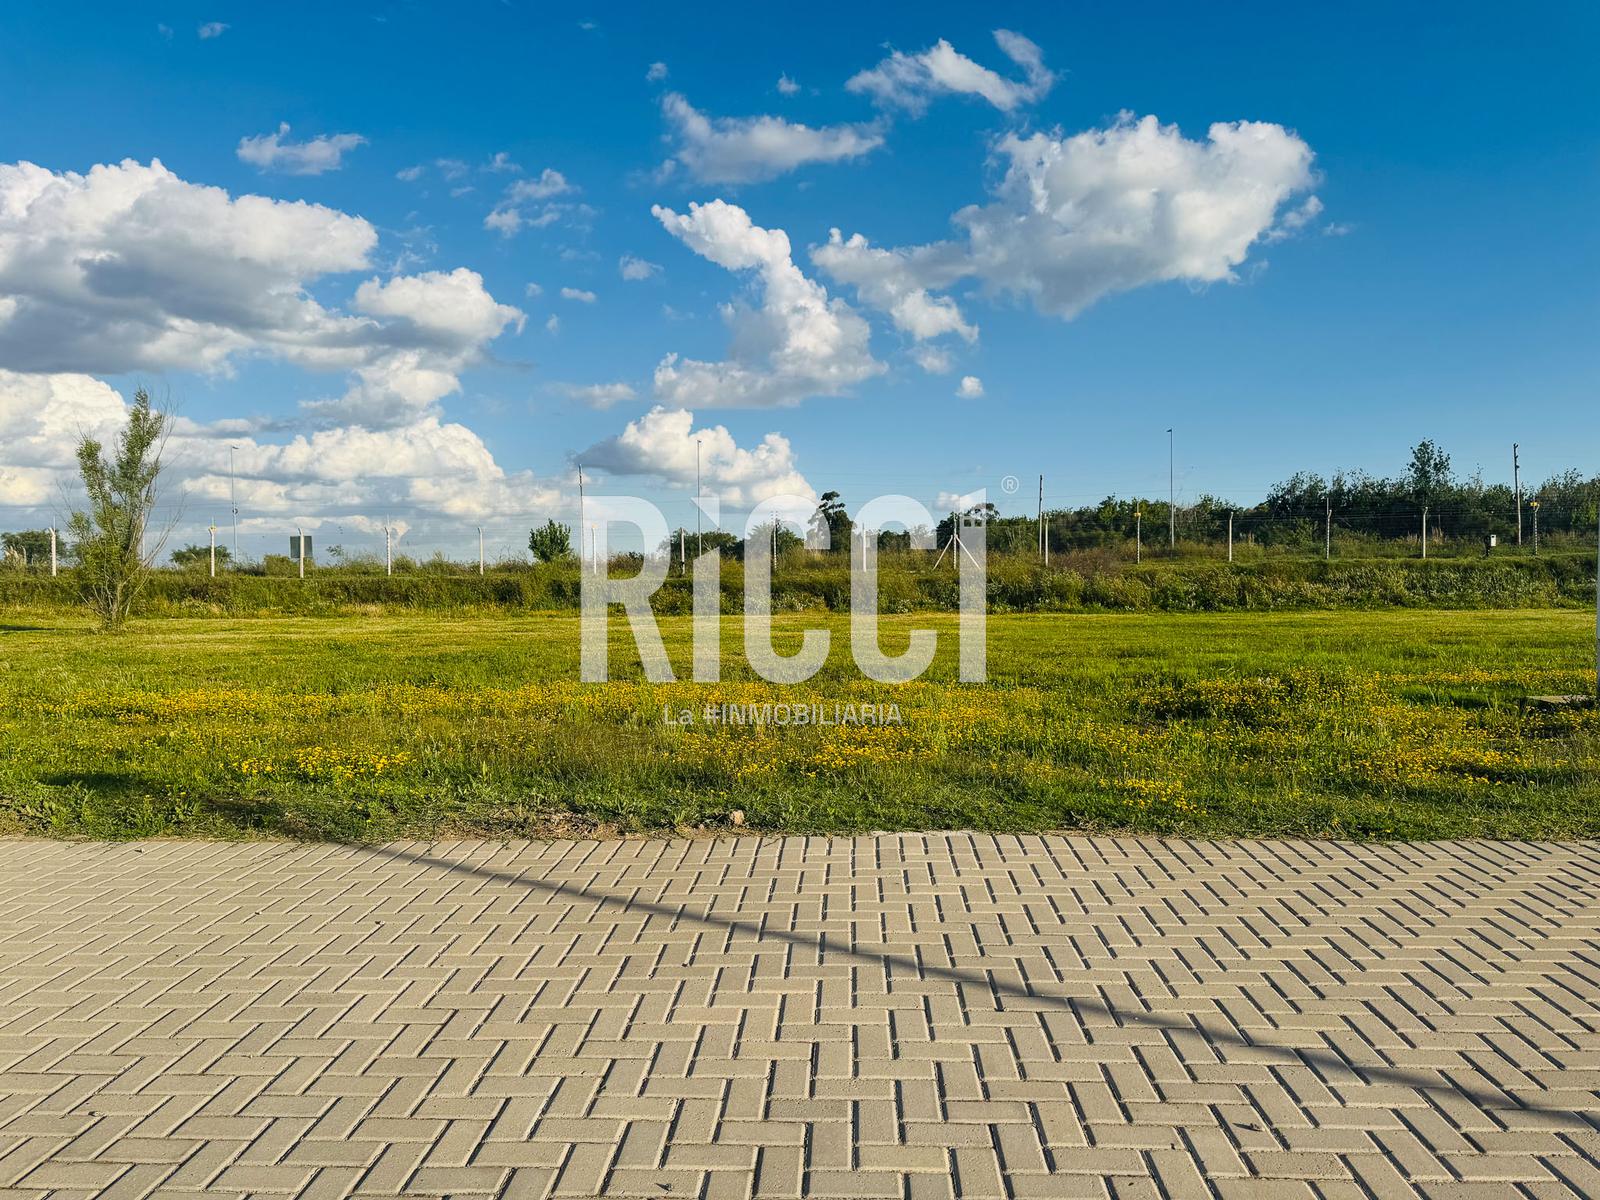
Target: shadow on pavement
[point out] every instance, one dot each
(1323, 1062)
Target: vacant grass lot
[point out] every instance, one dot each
(1351, 724)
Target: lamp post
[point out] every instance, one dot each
(1534, 504)
(233, 505)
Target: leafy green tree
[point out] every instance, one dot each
(1429, 473)
(831, 515)
(113, 560)
(199, 556)
(551, 542)
(28, 546)
(728, 544)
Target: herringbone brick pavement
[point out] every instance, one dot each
(906, 1016)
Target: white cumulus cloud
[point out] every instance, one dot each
(1079, 218)
(429, 467)
(897, 282)
(599, 395)
(527, 203)
(635, 269)
(798, 343)
(664, 443)
(750, 149)
(578, 294)
(130, 268)
(909, 81)
(971, 388)
(275, 152)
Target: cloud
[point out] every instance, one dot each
(445, 310)
(656, 73)
(955, 502)
(272, 152)
(971, 388)
(501, 164)
(533, 289)
(427, 466)
(211, 29)
(44, 416)
(797, 344)
(1295, 221)
(599, 395)
(910, 81)
(409, 174)
(663, 443)
(553, 325)
(516, 208)
(578, 294)
(750, 149)
(897, 282)
(1108, 210)
(635, 269)
(787, 86)
(932, 359)
(130, 268)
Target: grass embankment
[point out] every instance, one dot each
(1081, 582)
(1385, 724)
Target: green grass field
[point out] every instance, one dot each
(1387, 724)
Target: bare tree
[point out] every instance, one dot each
(114, 561)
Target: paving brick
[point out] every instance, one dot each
(933, 1017)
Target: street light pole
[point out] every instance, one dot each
(233, 506)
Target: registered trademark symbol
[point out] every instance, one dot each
(1009, 485)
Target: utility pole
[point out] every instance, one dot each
(699, 491)
(1172, 494)
(52, 553)
(1534, 504)
(1327, 532)
(582, 525)
(480, 549)
(1230, 535)
(213, 549)
(1424, 531)
(388, 548)
(1041, 519)
(300, 549)
(1516, 486)
(683, 552)
(1138, 535)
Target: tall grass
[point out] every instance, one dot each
(1080, 582)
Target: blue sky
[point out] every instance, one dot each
(1443, 284)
